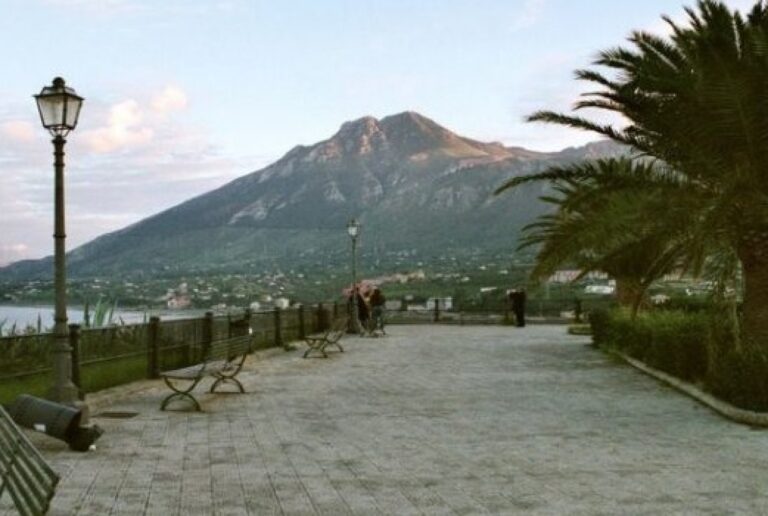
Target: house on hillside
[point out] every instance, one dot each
(569, 275)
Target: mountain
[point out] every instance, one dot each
(416, 187)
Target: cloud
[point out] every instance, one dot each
(170, 99)
(529, 15)
(18, 130)
(123, 129)
(127, 160)
(12, 252)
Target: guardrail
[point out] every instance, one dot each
(109, 356)
(114, 355)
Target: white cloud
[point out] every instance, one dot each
(530, 14)
(170, 99)
(18, 130)
(12, 252)
(123, 129)
(127, 160)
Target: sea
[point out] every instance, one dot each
(23, 316)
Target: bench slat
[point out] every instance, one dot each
(25, 474)
(194, 371)
(21, 454)
(227, 349)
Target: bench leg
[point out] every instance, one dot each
(318, 349)
(227, 379)
(180, 394)
(314, 345)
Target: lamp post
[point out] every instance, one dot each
(59, 108)
(353, 229)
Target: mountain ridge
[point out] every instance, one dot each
(413, 183)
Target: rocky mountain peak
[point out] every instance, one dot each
(401, 168)
(366, 125)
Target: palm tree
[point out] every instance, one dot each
(601, 223)
(698, 102)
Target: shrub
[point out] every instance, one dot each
(679, 344)
(700, 347)
(674, 342)
(600, 322)
(739, 374)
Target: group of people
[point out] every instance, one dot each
(370, 309)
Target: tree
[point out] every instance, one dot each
(696, 101)
(604, 221)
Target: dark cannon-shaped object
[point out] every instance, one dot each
(54, 419)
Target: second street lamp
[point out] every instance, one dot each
(59, 108)
(353, 229)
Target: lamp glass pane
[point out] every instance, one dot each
(51, 110)
(73, 111)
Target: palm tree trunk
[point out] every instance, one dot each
(754, 260)
(629, 294)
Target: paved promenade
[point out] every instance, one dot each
(429, 420)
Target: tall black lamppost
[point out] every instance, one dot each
(353, 229)
(59, 108)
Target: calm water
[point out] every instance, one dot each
(27, 315)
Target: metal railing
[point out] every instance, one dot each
(105, 357)
(109, 356)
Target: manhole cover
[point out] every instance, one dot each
(116, 414)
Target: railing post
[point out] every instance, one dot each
(436, 317)
(207, 335)
(153, 347)
(318, 318)
(278, 328)
(247, 318)
(74, 347)
(302, 329)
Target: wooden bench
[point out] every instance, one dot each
(23, 471)
(222, 359)
(330, 337)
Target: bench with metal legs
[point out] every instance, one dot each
(223, 359)
(331, 337)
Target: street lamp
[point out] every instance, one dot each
(353, 229)
(59, 108)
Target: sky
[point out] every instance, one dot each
(183, 96)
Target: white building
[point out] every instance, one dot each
(445, 303)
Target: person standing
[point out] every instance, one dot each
(363, 314)
(518, 306)
(377, 310)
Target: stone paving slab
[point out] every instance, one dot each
(428, 420)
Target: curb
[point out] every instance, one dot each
(746, 417)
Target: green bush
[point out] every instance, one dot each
(674, 342)
(739, 373)
(699, 347)
(600, 321)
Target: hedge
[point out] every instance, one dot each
(697, 347)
